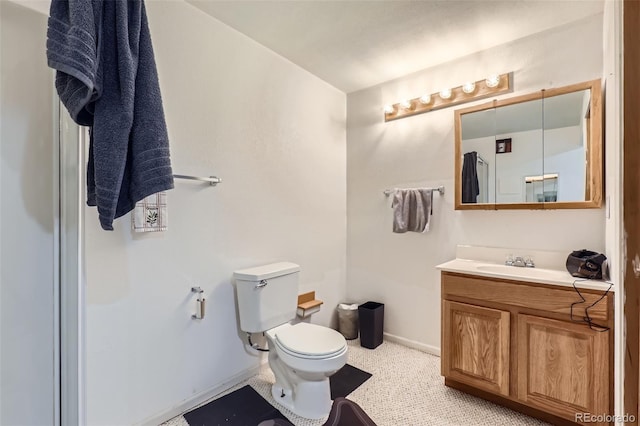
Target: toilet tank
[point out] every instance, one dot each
(267, 295)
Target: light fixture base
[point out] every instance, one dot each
(466, 93)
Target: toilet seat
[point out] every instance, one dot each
(310, 341)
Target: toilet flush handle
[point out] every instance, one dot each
(262, 283)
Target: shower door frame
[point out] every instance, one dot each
(69, 268)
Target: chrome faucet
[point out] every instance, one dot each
(519, 261)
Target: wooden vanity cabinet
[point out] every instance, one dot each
(477, 346)
(515, 344)
(562, 367)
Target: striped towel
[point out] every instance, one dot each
(150, 214)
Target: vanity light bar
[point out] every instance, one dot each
(468, 92)
(529, 179)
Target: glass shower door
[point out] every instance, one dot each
(41, 268)
(30, 269)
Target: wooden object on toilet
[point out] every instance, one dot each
(307, 304)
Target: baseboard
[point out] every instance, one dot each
(433, 350)
(199, 398)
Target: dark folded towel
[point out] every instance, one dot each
(107, 79)
(470, 187)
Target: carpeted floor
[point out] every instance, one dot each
(406, 389)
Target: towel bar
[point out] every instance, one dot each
(213, 180)
(440, 189)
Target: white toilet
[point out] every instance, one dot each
(302, 356)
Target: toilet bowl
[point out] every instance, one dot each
(302, 356)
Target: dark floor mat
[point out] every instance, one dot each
(346, 380)
(244, 407)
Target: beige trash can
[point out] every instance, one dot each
(348, 320)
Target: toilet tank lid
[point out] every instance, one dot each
(266, 271)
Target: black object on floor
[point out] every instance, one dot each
(346, 380)
(243, 407)
(371, 317)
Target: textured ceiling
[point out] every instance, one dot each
(357, 44)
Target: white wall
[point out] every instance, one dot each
(276, 135)
(26, 221)
(564, 154)
(398, 269)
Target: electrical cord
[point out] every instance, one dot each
(587, 318)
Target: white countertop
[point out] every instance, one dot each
(533, 275)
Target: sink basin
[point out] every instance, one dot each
(486, 268)
(522, 272)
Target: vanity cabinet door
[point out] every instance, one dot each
(475, 346)
(563, 367)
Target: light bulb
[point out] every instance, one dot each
(405, 104)
(388, 109)
(445, 93)
(468, 87)
(425, 99)
(493, 81)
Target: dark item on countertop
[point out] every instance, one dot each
(587, 264)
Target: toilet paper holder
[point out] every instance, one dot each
(199, 303)
(307, 304)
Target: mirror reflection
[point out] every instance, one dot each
(478, 167)
(541, 189)
(521, 125)
(566, 132)
(533, 149)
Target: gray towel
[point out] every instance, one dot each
(411, 210)
(107, 79)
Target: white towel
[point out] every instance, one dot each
(411, 210)
(150, 214)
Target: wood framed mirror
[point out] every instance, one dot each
(542, 150)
